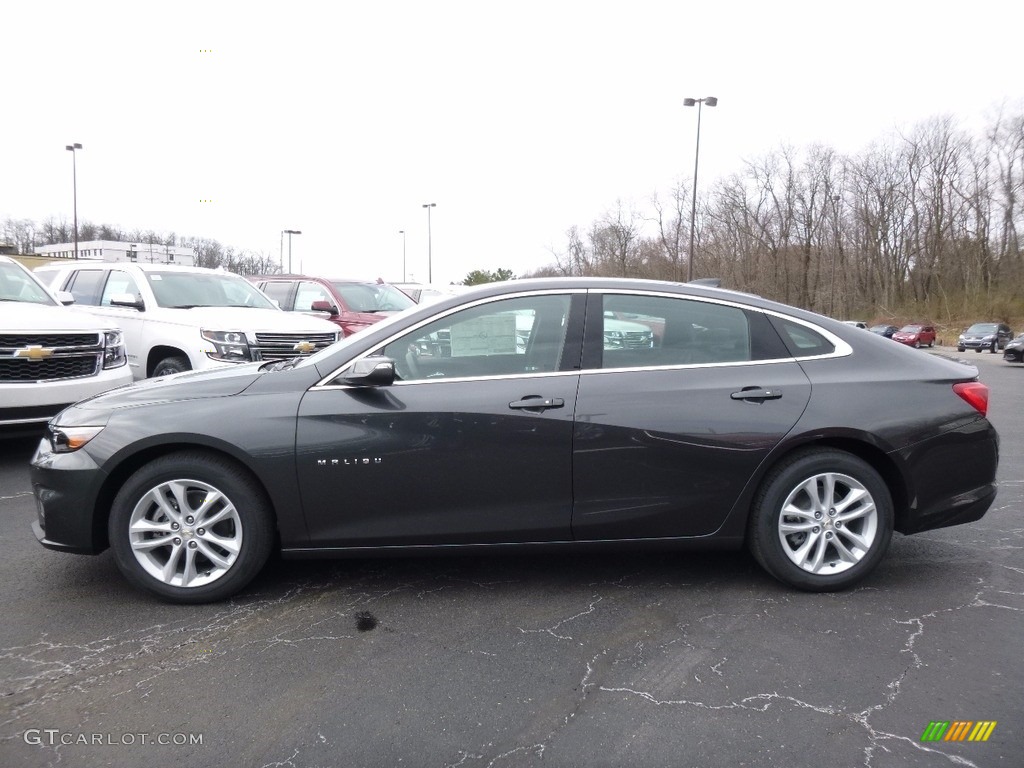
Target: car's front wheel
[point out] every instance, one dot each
(993, 347)
(191, 527)
(822, 521)
(169, 365)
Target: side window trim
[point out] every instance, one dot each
(593, 340)
(566, 364)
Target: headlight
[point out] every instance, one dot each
(961, 337)
(990, 337)
(113, 349)
(230, 346)
(70, 439)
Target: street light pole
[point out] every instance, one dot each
(832, 289)
(289, 232)
(430, 254)
(402, 233)
(711, 101)
(74, 188)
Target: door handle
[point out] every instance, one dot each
(756, 393)
(536, 402)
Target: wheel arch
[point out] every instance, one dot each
(874, 456)
(162, 351)
(121, 470)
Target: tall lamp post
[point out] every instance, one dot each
(402, 233)
(430, 254)
(711, 101)
(288, 232)
(836, 199)
(74, 188)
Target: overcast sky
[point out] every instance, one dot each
(235, 121)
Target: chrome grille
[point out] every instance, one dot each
(55, 368)
(281, 346)
(49, 356)
(638, 340)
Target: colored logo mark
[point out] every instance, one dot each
(958, 730)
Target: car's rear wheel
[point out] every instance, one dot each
(190, 527)
(169, 365)
(822, 521)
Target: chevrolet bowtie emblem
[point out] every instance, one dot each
(304, 347)
(34, 352)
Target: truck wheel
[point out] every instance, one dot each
(170, 365)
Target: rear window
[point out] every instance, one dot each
(802, 340)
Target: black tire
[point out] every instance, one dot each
(868, 519)
(240, 537)
(917, 344)
(960, 349)
(994, 347)
(170, 365)
(979, 350)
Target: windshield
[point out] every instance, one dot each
(982, 328)
(185, 290)
(16, 284)
(910, 329)
(373, 297)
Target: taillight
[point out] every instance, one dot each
(975, 393)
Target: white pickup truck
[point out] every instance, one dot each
(182, 318)
(50, 355)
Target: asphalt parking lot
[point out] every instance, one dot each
(618, 660)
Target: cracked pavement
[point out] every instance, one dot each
(599, 660)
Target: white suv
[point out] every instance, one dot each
(50, 355)
(181, 318)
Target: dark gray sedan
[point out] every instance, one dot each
(742, 422)
(981, 336)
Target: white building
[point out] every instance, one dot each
(114, 250)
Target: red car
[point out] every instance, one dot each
(352, 304)
(916, 335)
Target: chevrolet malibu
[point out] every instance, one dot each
(742, 423)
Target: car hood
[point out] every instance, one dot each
(252, 319)
(223, 381)
(26, 316)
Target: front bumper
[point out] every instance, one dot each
(66, 487)
(975, 344)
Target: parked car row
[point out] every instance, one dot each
(178, 318)
(991, 336)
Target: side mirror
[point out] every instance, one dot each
(65, 298)
(127, 300)
(324, 306)
(371, 372)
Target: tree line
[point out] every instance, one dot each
(923, 224)
(26, 235)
